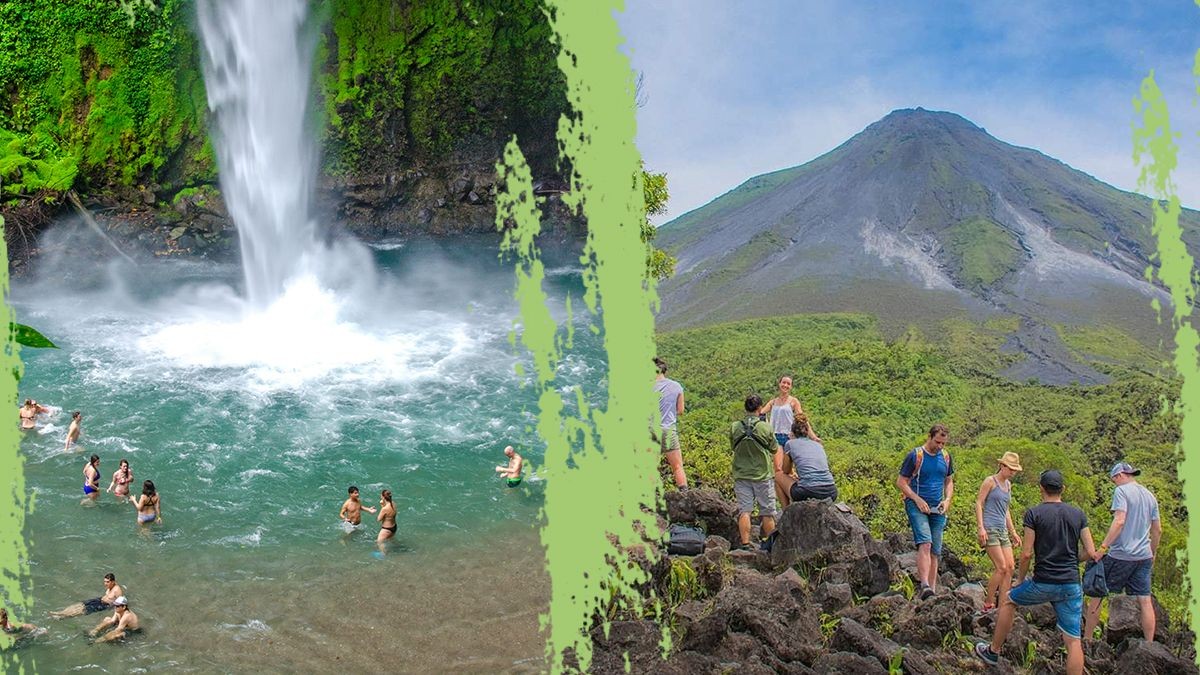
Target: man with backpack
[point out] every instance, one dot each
(755, 455)
(927, 482)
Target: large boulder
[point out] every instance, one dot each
(852, 636)
(1125, 619)
(827, 538)
(641, 640)
(706, 509)
(1152, 658)
(942, 615)
(845, 663)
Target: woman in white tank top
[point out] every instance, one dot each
(784, 409)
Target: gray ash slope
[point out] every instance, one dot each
(920, 217)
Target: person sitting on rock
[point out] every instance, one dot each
(995, 526)
(927, 482)
(1053, 530)
(804, 470)
(755, 455)
(1130, 547)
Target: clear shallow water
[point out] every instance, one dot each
(253, 425)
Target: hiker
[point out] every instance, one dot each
(123, 622)
(927, 482)
(112, 590)
(755, 456)
(148, 504)
(91, 479)
(1130, 547)
(352, 508)
(511, 471)
(74, 430)
(784, 409)
(997, 534)
(121, 479)
(806, 457)
(670, 407)
(1053, 530)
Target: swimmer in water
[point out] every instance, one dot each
(386, 518)
(91, 480)
(147, 504)
(29, 413)
(123, 622)
(511, 471)
(74, 430)
(352, 508)
(112, 590)
(14, 628)
(120, 482)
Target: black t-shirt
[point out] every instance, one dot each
(1056, 527)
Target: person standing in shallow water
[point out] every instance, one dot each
(511, 471)
(996, 531)
(74, 430)
(352, 508)
(120, 481)
(29, 413)
(147, 504)
(91, 480)
(386, 518)
(670, 407)
(784, 409)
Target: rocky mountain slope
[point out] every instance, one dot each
(919, 217)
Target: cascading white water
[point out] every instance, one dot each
(257, 70)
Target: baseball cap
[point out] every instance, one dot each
(1051, 479)
(1123, 467)
(120, 601)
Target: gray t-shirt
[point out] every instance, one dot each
(669, 392)
(1141, 509)
(812, 464)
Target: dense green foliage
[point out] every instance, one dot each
(424, 80)
(659, 265)
(99, 97)
(980, 251)
(871, 401)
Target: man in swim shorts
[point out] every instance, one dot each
(511, 471)
(123, 622)
(112, 591)
(352, 508)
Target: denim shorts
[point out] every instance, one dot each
(1130, 576)
(927, 527)
(1066, 598)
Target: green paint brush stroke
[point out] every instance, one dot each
(600, 472)
(14, 556)
(1177, 272)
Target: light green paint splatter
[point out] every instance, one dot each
(14, 556)
(1155, 141)
(601, 474)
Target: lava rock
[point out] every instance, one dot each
(1152, 658)
(834, 597)
(706, 509)
(1125, 619)
(845, 663)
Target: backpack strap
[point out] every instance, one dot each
(748, 432)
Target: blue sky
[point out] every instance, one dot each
(736, 89)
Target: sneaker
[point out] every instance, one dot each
(984, 651)
(926, 593)
(744, 547)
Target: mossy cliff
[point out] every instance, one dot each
(414, 103)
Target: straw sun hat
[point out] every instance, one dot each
(1012, 460)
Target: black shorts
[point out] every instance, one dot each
(819, 492)
(95, 605)
(1131, 577)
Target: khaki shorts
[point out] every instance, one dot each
(998, 538)
(669, 439)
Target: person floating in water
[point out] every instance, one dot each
(352, 508)
(386, 518)
(120, 481)
(511, 471)
(91, 479)
(17, 630)
(147, 504)
(123, 622)
(74, 430)
(112, 591)
(29, 413)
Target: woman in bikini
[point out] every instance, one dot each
(386, 517)
(120, 482)
(74, 430)
(147, 505)
(91, 479)
(997, 534)
(784, 409)
(29, 413)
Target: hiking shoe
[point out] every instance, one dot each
(744, 547)
(984, 651)
(926, 593)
